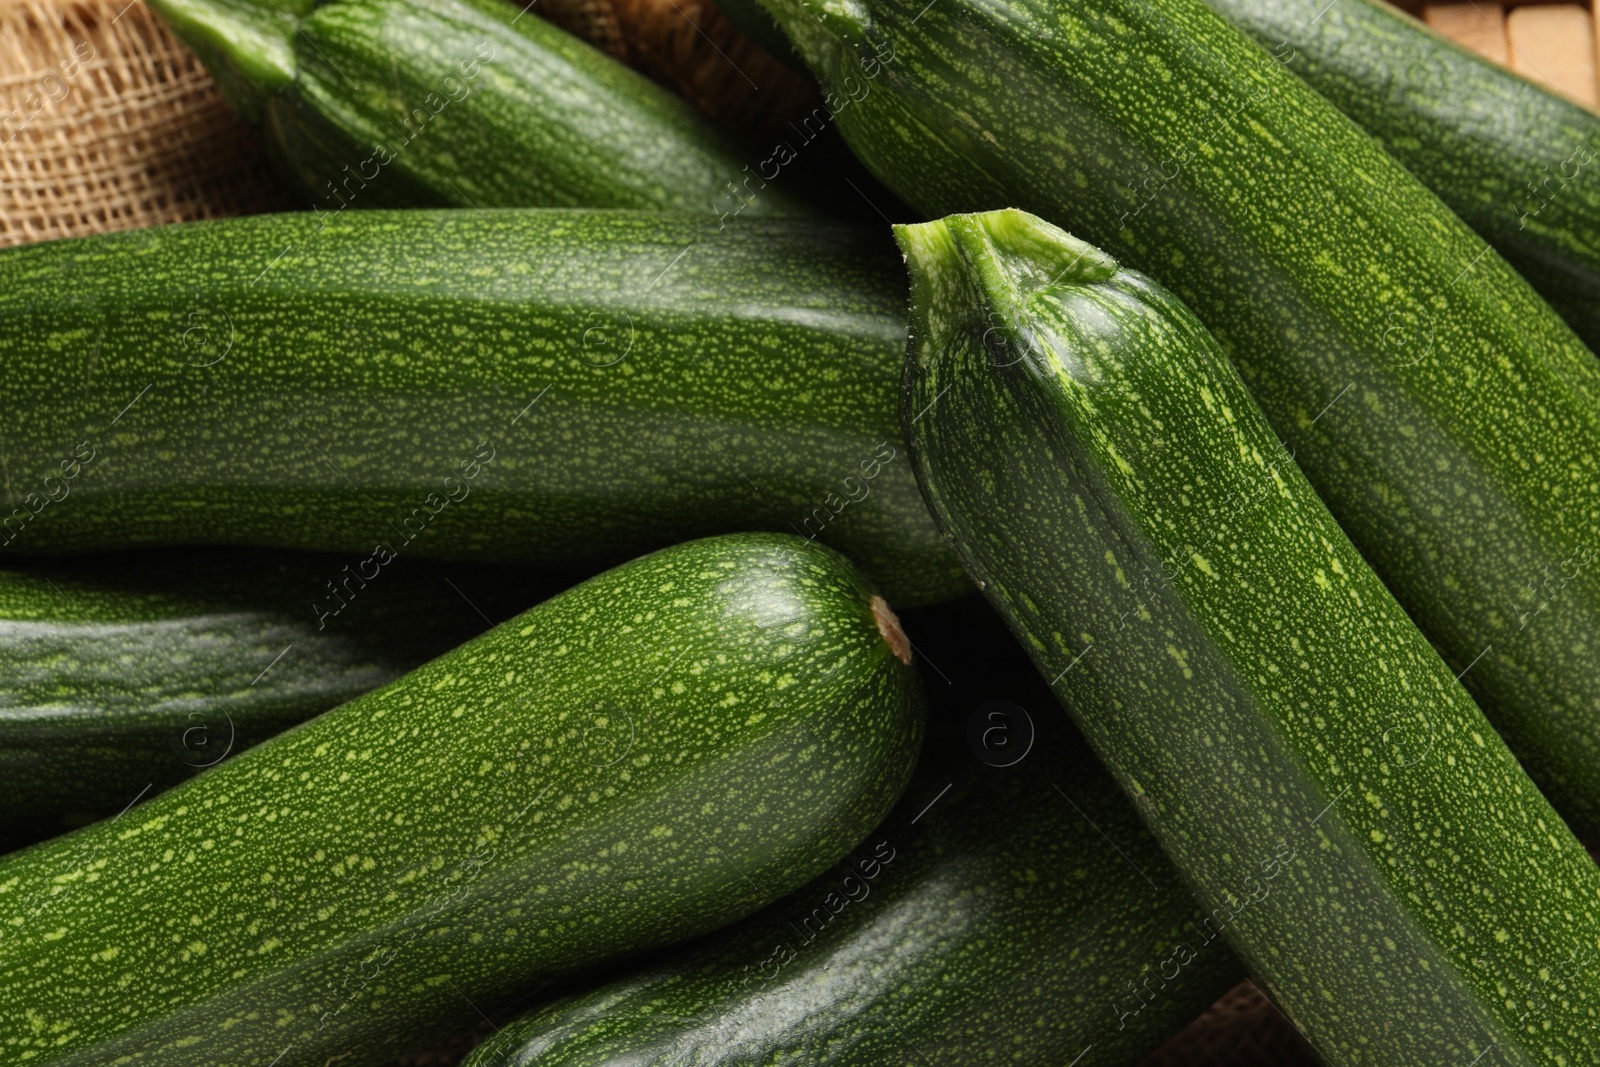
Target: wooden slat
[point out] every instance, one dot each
(1554, 44)
(1479, 26)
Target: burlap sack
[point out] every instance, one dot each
(107, 123)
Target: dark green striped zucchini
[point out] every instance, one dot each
(1516, 162)
(553, 388)
(1448, 417)
(127, 675)
(1296, 745)
(649, 755)
(465, 103)
(1014, 913)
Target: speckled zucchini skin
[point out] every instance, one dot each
(986, 922)
(1376, 854)
(464, 103)
(552, 388)
(1517, 162)
(652, 754)
(1448, 417)
(126, 675)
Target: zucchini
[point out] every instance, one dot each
(986, 921)
(551, 388)
(1335, 799)
(1514, 160)
(1448, 417)
(649, 755)
(464, 103)
(129, 674)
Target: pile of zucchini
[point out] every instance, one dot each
(558, 586)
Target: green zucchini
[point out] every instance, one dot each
(1296, 745)
(126, 675)
(649, 755)
(1448, 417)
(464, 103)
(1514, 160)
(552, 388)
(1001, 914)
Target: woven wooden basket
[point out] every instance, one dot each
(1553, 44)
